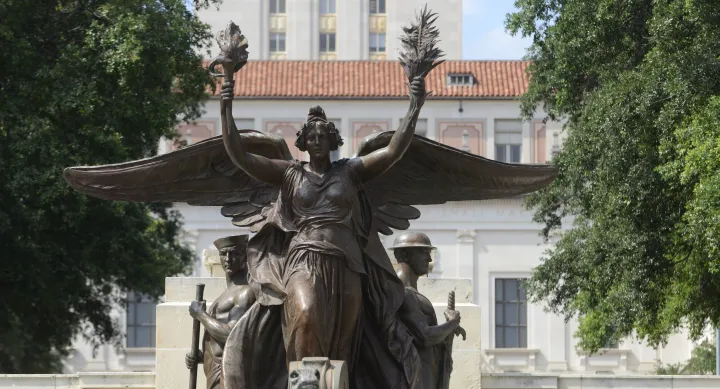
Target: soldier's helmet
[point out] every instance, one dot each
(411, 239)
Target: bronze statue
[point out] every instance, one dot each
(225, 311)
(317, 268)
(412, 252)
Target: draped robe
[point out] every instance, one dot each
(387, 358)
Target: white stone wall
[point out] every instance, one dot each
(78, 381)
(107, 357)
(357, 116)
(571, 381)
(486, 381)
(302, 26)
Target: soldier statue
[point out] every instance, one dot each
(225, 311)
(412, 251)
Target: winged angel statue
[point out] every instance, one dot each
(323, 281)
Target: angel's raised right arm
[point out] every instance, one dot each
(258, 167)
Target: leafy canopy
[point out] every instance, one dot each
(638, 82)
(85, 82)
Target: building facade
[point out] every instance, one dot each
(493, 244)
(331, 29)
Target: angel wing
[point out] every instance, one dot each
(432, 173)
(200, 174)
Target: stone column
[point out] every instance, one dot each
(190, 237)
(346, 150)
(526, 154)
(647, 357)
(556, 343)
(432, 128)
(352, 30)
(465, 254)
(490, 138)
(302, 31)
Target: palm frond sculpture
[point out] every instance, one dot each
(420, 54)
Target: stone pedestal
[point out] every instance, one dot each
(174, 325)
(173, 332)
(466, 353)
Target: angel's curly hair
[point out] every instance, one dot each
(316, 118)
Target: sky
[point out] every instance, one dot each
(484, 35)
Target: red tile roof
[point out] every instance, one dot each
(285, 79)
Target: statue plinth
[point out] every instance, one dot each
(174, 326)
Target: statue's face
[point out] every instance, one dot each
(317, 141)
(233, 260)
(419, 259)
(305, 378)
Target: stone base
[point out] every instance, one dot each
(114, 380)
(174, 329)
(595, 381)
(489, 381)
(173, 334)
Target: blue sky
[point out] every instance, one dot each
(484, 35)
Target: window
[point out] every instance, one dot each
(460, 80)
(140, 320)
(556, 143)
(377, 42)
(327, 7)
(277, 6)
(377, 6)
(421, 127)
(508, 141)
(327, 42)
(277, 42)
(510, 313)
(507, 147)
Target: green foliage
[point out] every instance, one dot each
(701, 362)
(668, 369)
(639, 84)
(83, 83)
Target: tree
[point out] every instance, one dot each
(638, 82)
(85, 82)
(701, 362)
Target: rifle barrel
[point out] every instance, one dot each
(195, 346)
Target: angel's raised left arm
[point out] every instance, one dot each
(372, 165)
